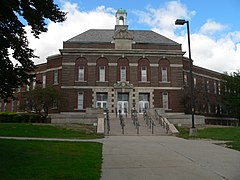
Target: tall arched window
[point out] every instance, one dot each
(164, 70)
(81, 69)
(123, 69)
(102, 70)
(144, 70)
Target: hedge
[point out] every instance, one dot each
(12, 117)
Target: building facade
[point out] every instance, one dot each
(121, 69)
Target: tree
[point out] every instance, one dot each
(13, 40)
(231, 96)
(41, 100)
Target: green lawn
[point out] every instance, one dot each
(48, 130)
(217, 133)
(50, 160)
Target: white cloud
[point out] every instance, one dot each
(208, 50)
(211, 27)
(162, 19)
(77, 22)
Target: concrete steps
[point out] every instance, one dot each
(130, 129)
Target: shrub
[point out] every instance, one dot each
(20, 117)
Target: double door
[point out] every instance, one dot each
(122, 103)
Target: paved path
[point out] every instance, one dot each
(164, 157)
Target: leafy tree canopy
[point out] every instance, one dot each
(231, 95)
(41, 100)
(13, 40)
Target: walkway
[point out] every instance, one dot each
(165, 157)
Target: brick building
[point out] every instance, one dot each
(120, 69)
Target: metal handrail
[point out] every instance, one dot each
(162, 121)
(135, 120)
(122, 123)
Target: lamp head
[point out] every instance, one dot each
(180, 22)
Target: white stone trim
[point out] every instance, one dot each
(146, 89)
(176, 65)
(47, 70)
(133, 64)
(91, 64)
(112, 64)
(153, 65)
(68, 64)
(203, 75)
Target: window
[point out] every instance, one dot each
(209, 108)
(12, 105)
(19, 88)
(194, 82)
(164, 74)
(102, 73)
(208, 88)
(55, 77)
(18, 105)
(185, 78)
(44, 80)
(215, 87)
(123, 73)
(102, 100)
(80, 101)
(219, 88)
(165, 100)
(34, 83)
(5, 107)
(81, 73)
(144, 74)
(27, 86)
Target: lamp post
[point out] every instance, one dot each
(182, 22)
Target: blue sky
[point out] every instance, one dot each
(214, 26)
(223, 11)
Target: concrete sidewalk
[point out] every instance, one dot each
(164, 157)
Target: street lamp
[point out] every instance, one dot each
(182, 22)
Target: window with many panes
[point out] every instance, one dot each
(55, 77)
(144, 73)
(165, 100)
(81, 73)
(215, 87)
(219, 88)
(123, 76)
(44, 80)
(80, 101)
(102, 73)
(164, 74)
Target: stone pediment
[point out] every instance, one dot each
(123, 85)
(123, 34)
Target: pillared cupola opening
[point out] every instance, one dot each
(121, 17)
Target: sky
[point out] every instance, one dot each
(214, 26)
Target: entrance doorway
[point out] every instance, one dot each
(143, 102)
(102, 100)
(122, 104)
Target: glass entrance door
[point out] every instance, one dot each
(143, 102)
(122, 107)
(143, 105)
(102, 100)
(122, 104)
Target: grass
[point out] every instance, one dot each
(48, 131)
(50, 160)
(231, 134)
